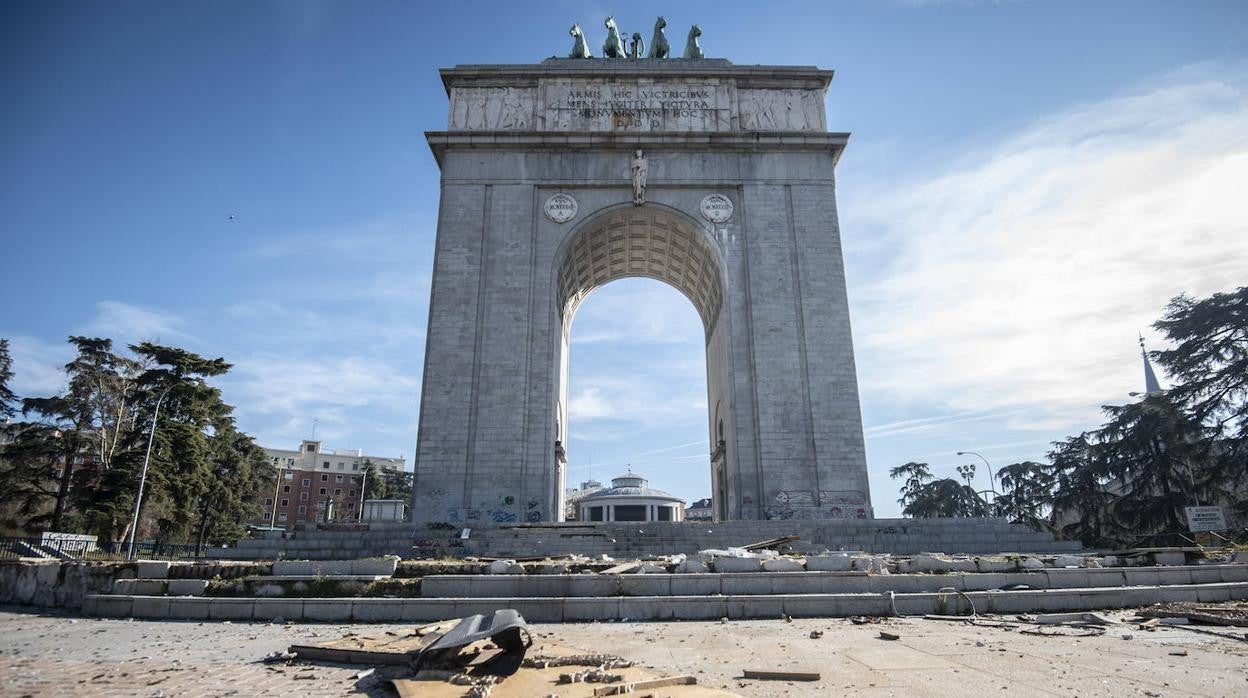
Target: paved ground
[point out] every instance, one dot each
(59, 655)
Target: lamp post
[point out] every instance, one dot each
(992, 481)
(147, 458)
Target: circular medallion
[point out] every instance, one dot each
(717, 208)
(560, 208)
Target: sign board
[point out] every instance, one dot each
(1205, 519)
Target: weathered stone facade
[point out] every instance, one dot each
(768, 282)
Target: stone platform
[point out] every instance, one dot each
(621, 540)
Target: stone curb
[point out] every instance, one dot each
(736, 607)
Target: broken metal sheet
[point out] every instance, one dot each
(395, 648)
(505, 628)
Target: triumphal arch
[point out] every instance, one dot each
(715, 178)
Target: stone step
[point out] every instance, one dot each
(781, 583)
(646, 608)
(160, 587)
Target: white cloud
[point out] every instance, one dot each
(38, 366)
(1020, 276)
(126, 324)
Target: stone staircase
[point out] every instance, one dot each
(623, 540)
(590, 596)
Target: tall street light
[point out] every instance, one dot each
(138, 499)
(992, 481)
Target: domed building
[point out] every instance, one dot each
(630, 498)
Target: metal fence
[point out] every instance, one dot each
(14, 547)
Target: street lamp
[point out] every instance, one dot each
(138, 500)
(992, 482)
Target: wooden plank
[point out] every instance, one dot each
(781, 675)
(621, 568)
(644, 685)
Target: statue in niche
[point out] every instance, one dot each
(692, 48)
(659, 48)
(580, 47)
(637, 47)
(640, 170)
(614, 45)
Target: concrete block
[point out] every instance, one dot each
(834, 562)
(745, 584)
(144, 587)
(646, 609)
(651, 568)
(533, 610)
(1067, 561)
(384, 566)
(186, 587)
(697, 608)
(645, 585)
(112, 606)
(810, 606)
(695, 584)
(189, 608)
(277, 609)
(1143, 576)
(152, 569)
(994, 564)
(1213, 593)
(692, 567)
(963, 565)
(504, 567)
(550, 568)
(327, 610)
(152, 607)
(747, 607)
(587, 585)
(737, 564)
(1177, 576)
(426, 610)
(1030, 563)
(230, 609)
(1066, 578)
(376, 610)
(1233, 573)
(590, 609)
(783, 564)
(1205, 575)
(1170, 558)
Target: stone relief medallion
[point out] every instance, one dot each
(560, 208)
(717, 208)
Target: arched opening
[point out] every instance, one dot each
(659, 244)
(637, 393)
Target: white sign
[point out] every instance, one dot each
(560, 208)
(717, 208)
(1205, 519)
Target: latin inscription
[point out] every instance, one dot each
(637, 106)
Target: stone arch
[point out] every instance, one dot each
(649, 241)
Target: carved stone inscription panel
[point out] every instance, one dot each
(635, 105)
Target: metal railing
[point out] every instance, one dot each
(12, 547)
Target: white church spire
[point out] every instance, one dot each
(1151, 385)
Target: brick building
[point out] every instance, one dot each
(316, 485)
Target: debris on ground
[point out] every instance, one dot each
(885, 635)
(1226, 613)
(1064, 618)
(480, 656)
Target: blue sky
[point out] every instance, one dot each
(1026, 185)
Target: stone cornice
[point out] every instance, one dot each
(746, 76)
(741, 141)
